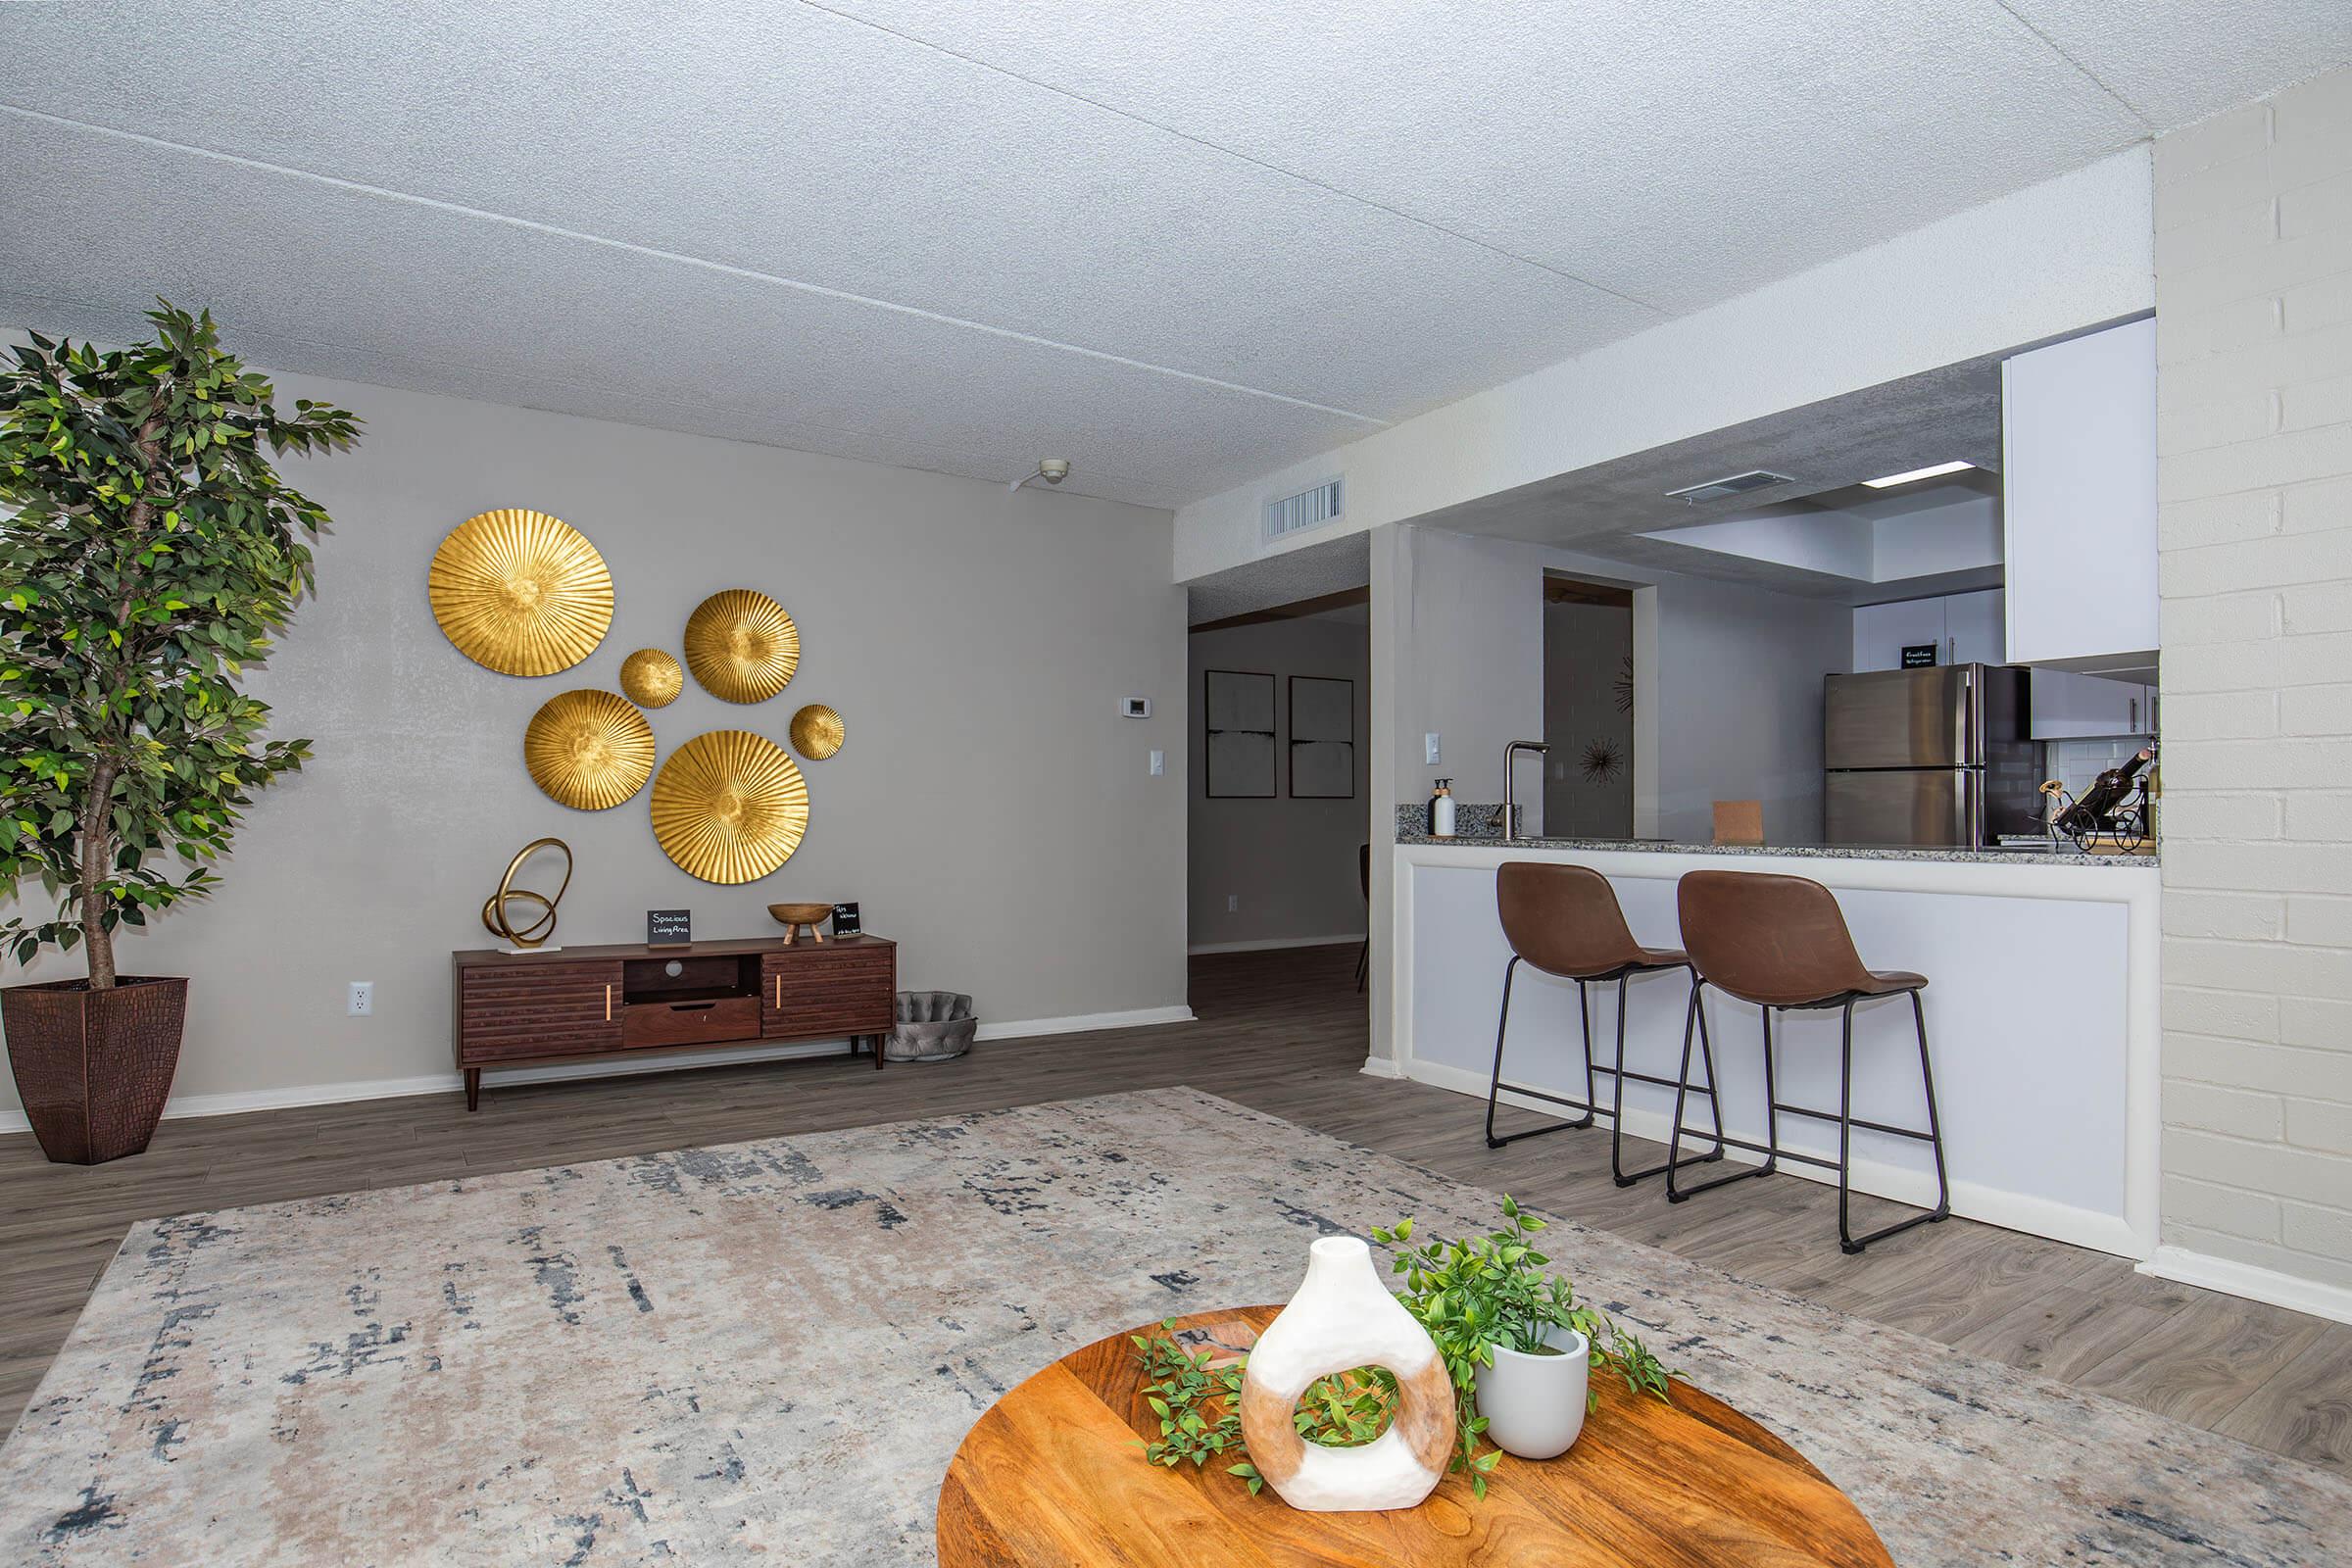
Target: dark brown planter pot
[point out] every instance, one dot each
(93, 1067)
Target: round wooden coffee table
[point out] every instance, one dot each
(1049, 1475)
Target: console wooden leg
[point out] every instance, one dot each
(473, 1089)
(877, 1040)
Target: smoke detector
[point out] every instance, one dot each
(1050, 470)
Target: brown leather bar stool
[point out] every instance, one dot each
(1782, 944)
(1565, 920)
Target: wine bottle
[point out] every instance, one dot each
(2106, 793)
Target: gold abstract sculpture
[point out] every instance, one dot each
(588, 750)
(494, 908)
(651, 678)
(729, 807)
(521, 592)
(741, 646)
(818, 732)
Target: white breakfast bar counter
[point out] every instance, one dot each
(2040, 1008)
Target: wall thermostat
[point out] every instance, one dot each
(1135, 706)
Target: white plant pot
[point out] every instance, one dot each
(1534, 1405)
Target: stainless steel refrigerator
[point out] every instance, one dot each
(1933, 756)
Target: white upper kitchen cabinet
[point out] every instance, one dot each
(1963, 628)
(1883, 631)
(2065, 705)
(2079, 500)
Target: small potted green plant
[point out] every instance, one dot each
(1520, 1350)
(148, 550)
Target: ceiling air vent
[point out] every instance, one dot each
(1738, 484)
(1309, 508)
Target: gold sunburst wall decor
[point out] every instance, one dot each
(588, 750)
(651, 678)
(741, 646)
(818, 732)
(521, 592)
(729, 807)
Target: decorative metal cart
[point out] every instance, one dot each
(2115, 809)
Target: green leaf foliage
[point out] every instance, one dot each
(152, 554)
(1476, 1294)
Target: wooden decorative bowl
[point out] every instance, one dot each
(793, 916)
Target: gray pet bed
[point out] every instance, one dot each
(932, 1026)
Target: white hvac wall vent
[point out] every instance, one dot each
(1309, 508)
(1736, 485)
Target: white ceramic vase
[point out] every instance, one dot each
(1534, 1405)
(1343, 1317)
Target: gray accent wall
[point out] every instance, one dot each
(1289, 863)
(991, 809)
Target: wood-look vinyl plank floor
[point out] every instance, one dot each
(1282, 1032)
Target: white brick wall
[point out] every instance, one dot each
(2254, 472)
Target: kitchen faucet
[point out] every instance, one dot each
(1510, 826)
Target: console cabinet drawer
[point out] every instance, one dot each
(688, 1023)
(539, 1010)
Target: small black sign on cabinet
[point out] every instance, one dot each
(1919, 655)
(668, 929)
(845, 920)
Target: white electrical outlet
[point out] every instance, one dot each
(1430, 749)
(1233, 902)
(1160, 763)
(360, 1001)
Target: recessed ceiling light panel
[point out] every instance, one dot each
(1935, 472)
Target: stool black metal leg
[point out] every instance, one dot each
(1591, 1094)
(1927, 1081)
(1584, 1022)
(1494, 1084)
(1683, 1084)
(1772, 1100)
(1847, 1241)
(1677, 1194)
(1617, 1101)
(1846, 1125)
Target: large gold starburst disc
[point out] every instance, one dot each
(729, 807)
(521, 592)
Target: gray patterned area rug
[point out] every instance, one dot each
(769, 1351)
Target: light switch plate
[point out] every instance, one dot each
(1430, 748)
(1160, 763)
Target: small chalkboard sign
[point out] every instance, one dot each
(668, 929)
(1919, 655)
(845, 920)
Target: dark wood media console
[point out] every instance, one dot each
(517, 1007)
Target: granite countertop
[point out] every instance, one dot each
(1480, 827)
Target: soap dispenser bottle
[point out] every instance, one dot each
(1441, 810)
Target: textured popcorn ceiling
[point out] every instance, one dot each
(1180, 245)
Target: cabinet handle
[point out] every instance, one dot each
(608, 1002)
(779, 992)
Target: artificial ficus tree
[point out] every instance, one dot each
(152, 553)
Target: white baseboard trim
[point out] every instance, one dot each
(2251, 1281)
(1271, 944)
(2017, 1211)
(1381, 1067)
(238, 1102)
(1086, 1023)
